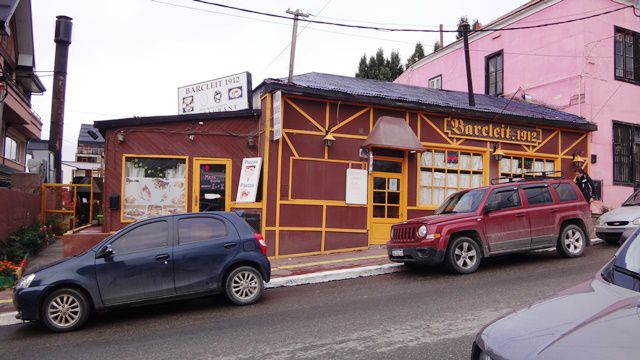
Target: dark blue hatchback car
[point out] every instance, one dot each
(154, 260)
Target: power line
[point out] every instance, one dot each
(377, 28)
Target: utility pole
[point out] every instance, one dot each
(465, 37)
(296, 14)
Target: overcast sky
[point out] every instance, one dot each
(128, 57)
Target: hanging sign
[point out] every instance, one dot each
(356, 187)
(481, 130)
(249, 180)
(277, 115)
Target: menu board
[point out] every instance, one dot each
(249, 180)
(356, 192)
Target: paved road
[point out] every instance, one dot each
(409, 315)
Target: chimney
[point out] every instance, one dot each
(62, 39)
(465, 32)
(441, 37)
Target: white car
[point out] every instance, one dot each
(612, 224)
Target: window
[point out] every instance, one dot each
(443, 173)
(626, 153)
(149, 236)
(538, 195)
(11, 149)
(153, 186)
(494, 74)
(504, 199)
(191, 230)
(435, 82)
(565, 192)
(627, 55)
(517, 166)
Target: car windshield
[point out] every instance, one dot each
(633, 200)
(628, 257)
(462, 202)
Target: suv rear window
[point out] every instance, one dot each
(538, 195)
(565, 192)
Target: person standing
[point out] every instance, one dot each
(585, 184)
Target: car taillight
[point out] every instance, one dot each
(261, 242)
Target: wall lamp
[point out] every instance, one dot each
(328, 140)
(498, 154)
(120, 137)
(578, 160)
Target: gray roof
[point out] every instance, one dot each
(7, 8)
(424, 99)
(38, 145)
(84, 136)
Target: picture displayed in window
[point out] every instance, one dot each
(516, 166)
(153, 187)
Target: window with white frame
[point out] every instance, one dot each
(521, 166)
(435, 82)
(444, 172)
(11, 150)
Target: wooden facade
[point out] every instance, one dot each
(304, 208)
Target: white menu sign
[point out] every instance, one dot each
(277, 115)
(356, 187)
(249, 179)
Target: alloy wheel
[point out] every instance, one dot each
(64, 310)
(573, 241)
(245, 285)
(465, 255)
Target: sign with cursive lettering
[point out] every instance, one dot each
(481, 130)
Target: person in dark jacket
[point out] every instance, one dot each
(585, 184)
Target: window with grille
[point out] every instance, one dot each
(444, 172)
(626, 153)
(627, 55)
(521, 166)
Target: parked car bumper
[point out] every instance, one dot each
(416, 255)
(612, 232)
(27, 302)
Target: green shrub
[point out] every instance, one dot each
(26, 241)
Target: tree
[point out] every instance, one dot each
(436, 46)
(418, 54)
(379, 67)
(475, 25)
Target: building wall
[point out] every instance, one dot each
(304, 208)
(20, 207)
(221, 139)
(569, 67)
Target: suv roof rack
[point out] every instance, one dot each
(529, 176)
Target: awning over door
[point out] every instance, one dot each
(393, 133)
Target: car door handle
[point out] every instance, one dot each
(553, 210)
(519, 214)
(162, 257)
(230, 245)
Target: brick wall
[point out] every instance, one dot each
(17, 209)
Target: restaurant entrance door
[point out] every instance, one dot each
(387, 194)
(211, 185)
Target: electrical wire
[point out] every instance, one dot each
(387, 29)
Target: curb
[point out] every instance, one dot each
(334, 275)
(9, 318)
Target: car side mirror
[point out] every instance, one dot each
(105, 252)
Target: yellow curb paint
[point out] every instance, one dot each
(284, 267)
(5, 301)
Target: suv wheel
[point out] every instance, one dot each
(65, 310)
(463, 255)
(244, 286)
(571, 242)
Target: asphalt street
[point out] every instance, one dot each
(427, 314)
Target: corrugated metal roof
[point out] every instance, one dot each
(444, 101)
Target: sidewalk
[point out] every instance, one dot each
(284, 271)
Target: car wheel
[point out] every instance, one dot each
(244, 286)
(65, 310)
(463, 255)
(571, 242)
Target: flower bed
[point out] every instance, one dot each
(16, 252)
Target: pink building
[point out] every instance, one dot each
(590, 68)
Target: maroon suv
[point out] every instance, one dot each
(513, 217)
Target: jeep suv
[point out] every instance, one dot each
(503, 218)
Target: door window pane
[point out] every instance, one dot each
(213, 179)
(387, 166)
(504, 199)
(145, 237)
(565, 192)
(538, 195)
(192, 230)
